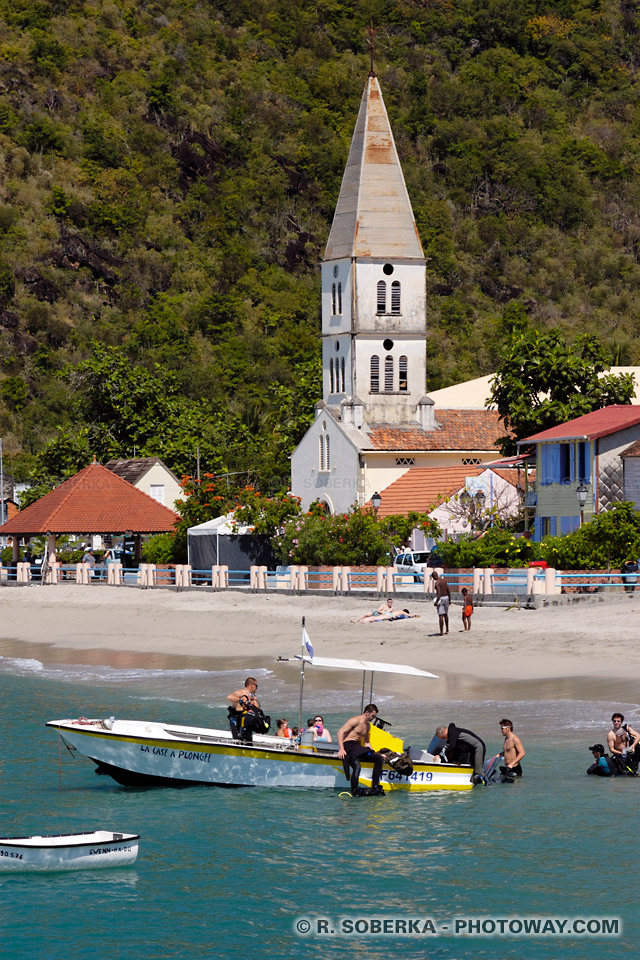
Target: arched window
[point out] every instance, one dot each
(340, 299)
(382, 297)
(403, 376)
(375, 375)
(327, 457)
(322, 461)
(333, 299)
(331, 375)
(342, 369)
(395, 296)
(388, 374)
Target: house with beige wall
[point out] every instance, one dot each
(151, 476)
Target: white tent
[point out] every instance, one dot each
(214, 529)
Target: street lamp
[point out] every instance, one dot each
(376, 500)
(582, 492)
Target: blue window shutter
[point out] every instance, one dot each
(572, 463)
(536, 529)
(552, 526)
(555, 463)
(566, 525)
(587, 463)
(575, 523)
(545, 464)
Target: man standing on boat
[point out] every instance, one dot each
(354, 746)
(241, 701)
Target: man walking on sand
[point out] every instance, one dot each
(442, 600)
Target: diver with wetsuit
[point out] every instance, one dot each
(463, 746)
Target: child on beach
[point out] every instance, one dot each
(467, 608)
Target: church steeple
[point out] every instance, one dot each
(373, 284)
(373, 216)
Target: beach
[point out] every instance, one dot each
(587, 648)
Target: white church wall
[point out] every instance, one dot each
(337, 483)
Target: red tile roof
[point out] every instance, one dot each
(422, 488)
(590, 426)
(458, 430)
(95, 500)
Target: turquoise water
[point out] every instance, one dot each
(223, 873)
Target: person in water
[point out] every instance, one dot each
(603, 765)
(241, 700)
(322, 733)
(623, 741)
(354, 746)
(463, 746)
(512, 750)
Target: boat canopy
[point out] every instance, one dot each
(366, 665)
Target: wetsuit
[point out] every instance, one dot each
(603, 767)
(355, 752)
(465, 746)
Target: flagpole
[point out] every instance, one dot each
(303, 651)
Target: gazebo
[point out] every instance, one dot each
(94, 501)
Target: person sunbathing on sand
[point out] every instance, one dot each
(384, 610)
(380, 617)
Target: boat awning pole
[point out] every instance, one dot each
(301, 680)
(364, 682)
(371, 689)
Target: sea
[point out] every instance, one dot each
(275, 874)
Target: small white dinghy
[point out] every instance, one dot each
(68, 851)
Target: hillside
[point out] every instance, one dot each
(167, 181)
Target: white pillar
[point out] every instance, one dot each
(550, 582)
(344, 585)
(336, 578)
(488, 581)
(477, 581)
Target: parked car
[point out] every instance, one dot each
(415, 562)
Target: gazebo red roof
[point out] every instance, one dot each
(95, 500)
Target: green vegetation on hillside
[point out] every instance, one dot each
(168, 174)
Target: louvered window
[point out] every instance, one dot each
(382, 297)
(395, 296)
(331, 375)
(333, 299)
(327, 456)
(403, 381)
(340, 299)
(388, 374)
(322, 466)
(375, 374)
(342, 370)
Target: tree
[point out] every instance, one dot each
(543, 381)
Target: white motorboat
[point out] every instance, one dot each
(68, 851)
(138, 752)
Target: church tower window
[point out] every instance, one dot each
(403, 376)
(322, 467)
(327, 455)
(375, 375)
(331, 374)
(388, 374)
(382, 297)
(395, 296)
(333, 299)
(342, 371)
(340, 299)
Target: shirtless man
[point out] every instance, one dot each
(622, 740)
(240, 700)
(442, 600)
(512, 750)
(354, 746)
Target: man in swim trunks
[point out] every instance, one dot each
(512, 750)
(384, 611)
(442, 600)
(353, 744)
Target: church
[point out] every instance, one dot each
(375, 421)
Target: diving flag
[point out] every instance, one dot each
(306, 643)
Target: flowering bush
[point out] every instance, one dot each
(346, 539)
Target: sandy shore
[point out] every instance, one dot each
(590, 649)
